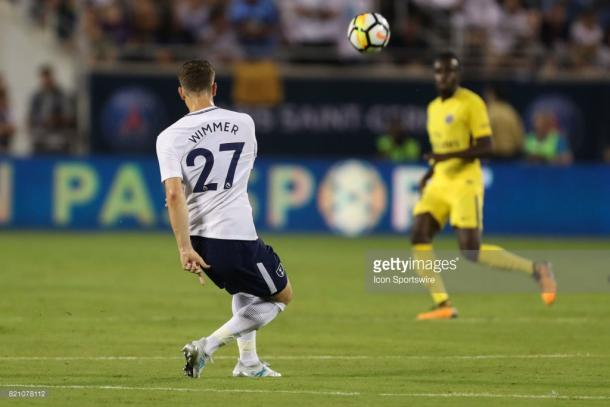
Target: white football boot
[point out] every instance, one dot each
(261, 369)
(196, 358)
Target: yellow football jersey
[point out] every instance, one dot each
(452, 125)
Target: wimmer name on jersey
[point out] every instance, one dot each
(212, 151)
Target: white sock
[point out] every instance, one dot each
(247, 349)
(247, 342)
(249, 318)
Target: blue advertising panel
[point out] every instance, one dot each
(348, 197)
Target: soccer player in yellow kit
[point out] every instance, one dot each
(452, 189)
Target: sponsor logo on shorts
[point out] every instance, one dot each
(280, 271)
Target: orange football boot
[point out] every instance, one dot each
(441, 311)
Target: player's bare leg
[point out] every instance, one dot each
(424, 230)
(496, 257)
(284, 296)
(469, 241)
(546, 281)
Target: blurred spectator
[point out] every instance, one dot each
(102, 29)
(151, 25)
(477, 14)
(510, 35)
(474, 20)
(446, 5)
(257, 25)
(398, 145)
(587, 36)
(507, 127)
(50, 118)
(38, 11)
(314, 23)
(555, 35)
(412, 40)
(437, 16)
(546, 144)
(112, 18)
(555, 28)
(192, 16)
(66, 18)
(7, 127)
(218, 39)
(146, 22)
(604, 56)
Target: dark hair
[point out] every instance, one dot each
(197, 76)
(447, 56)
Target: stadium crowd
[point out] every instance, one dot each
(537, 35)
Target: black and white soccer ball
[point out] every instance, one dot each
(369, 32)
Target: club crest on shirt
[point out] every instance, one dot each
(280, 271)
(449, 119)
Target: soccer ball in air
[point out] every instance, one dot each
(369, 32)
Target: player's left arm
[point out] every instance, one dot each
(480, 129)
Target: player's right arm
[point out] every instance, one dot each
(179, 219)
(171, 176)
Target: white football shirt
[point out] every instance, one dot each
(212, 150)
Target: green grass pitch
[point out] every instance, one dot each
(99, 319)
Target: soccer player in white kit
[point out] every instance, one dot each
(205, 159)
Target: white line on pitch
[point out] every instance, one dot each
(465, 320)
(323, 357)
(498, 395)
(313, 392)
(555, 320)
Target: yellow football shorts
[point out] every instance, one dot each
(460, 201)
